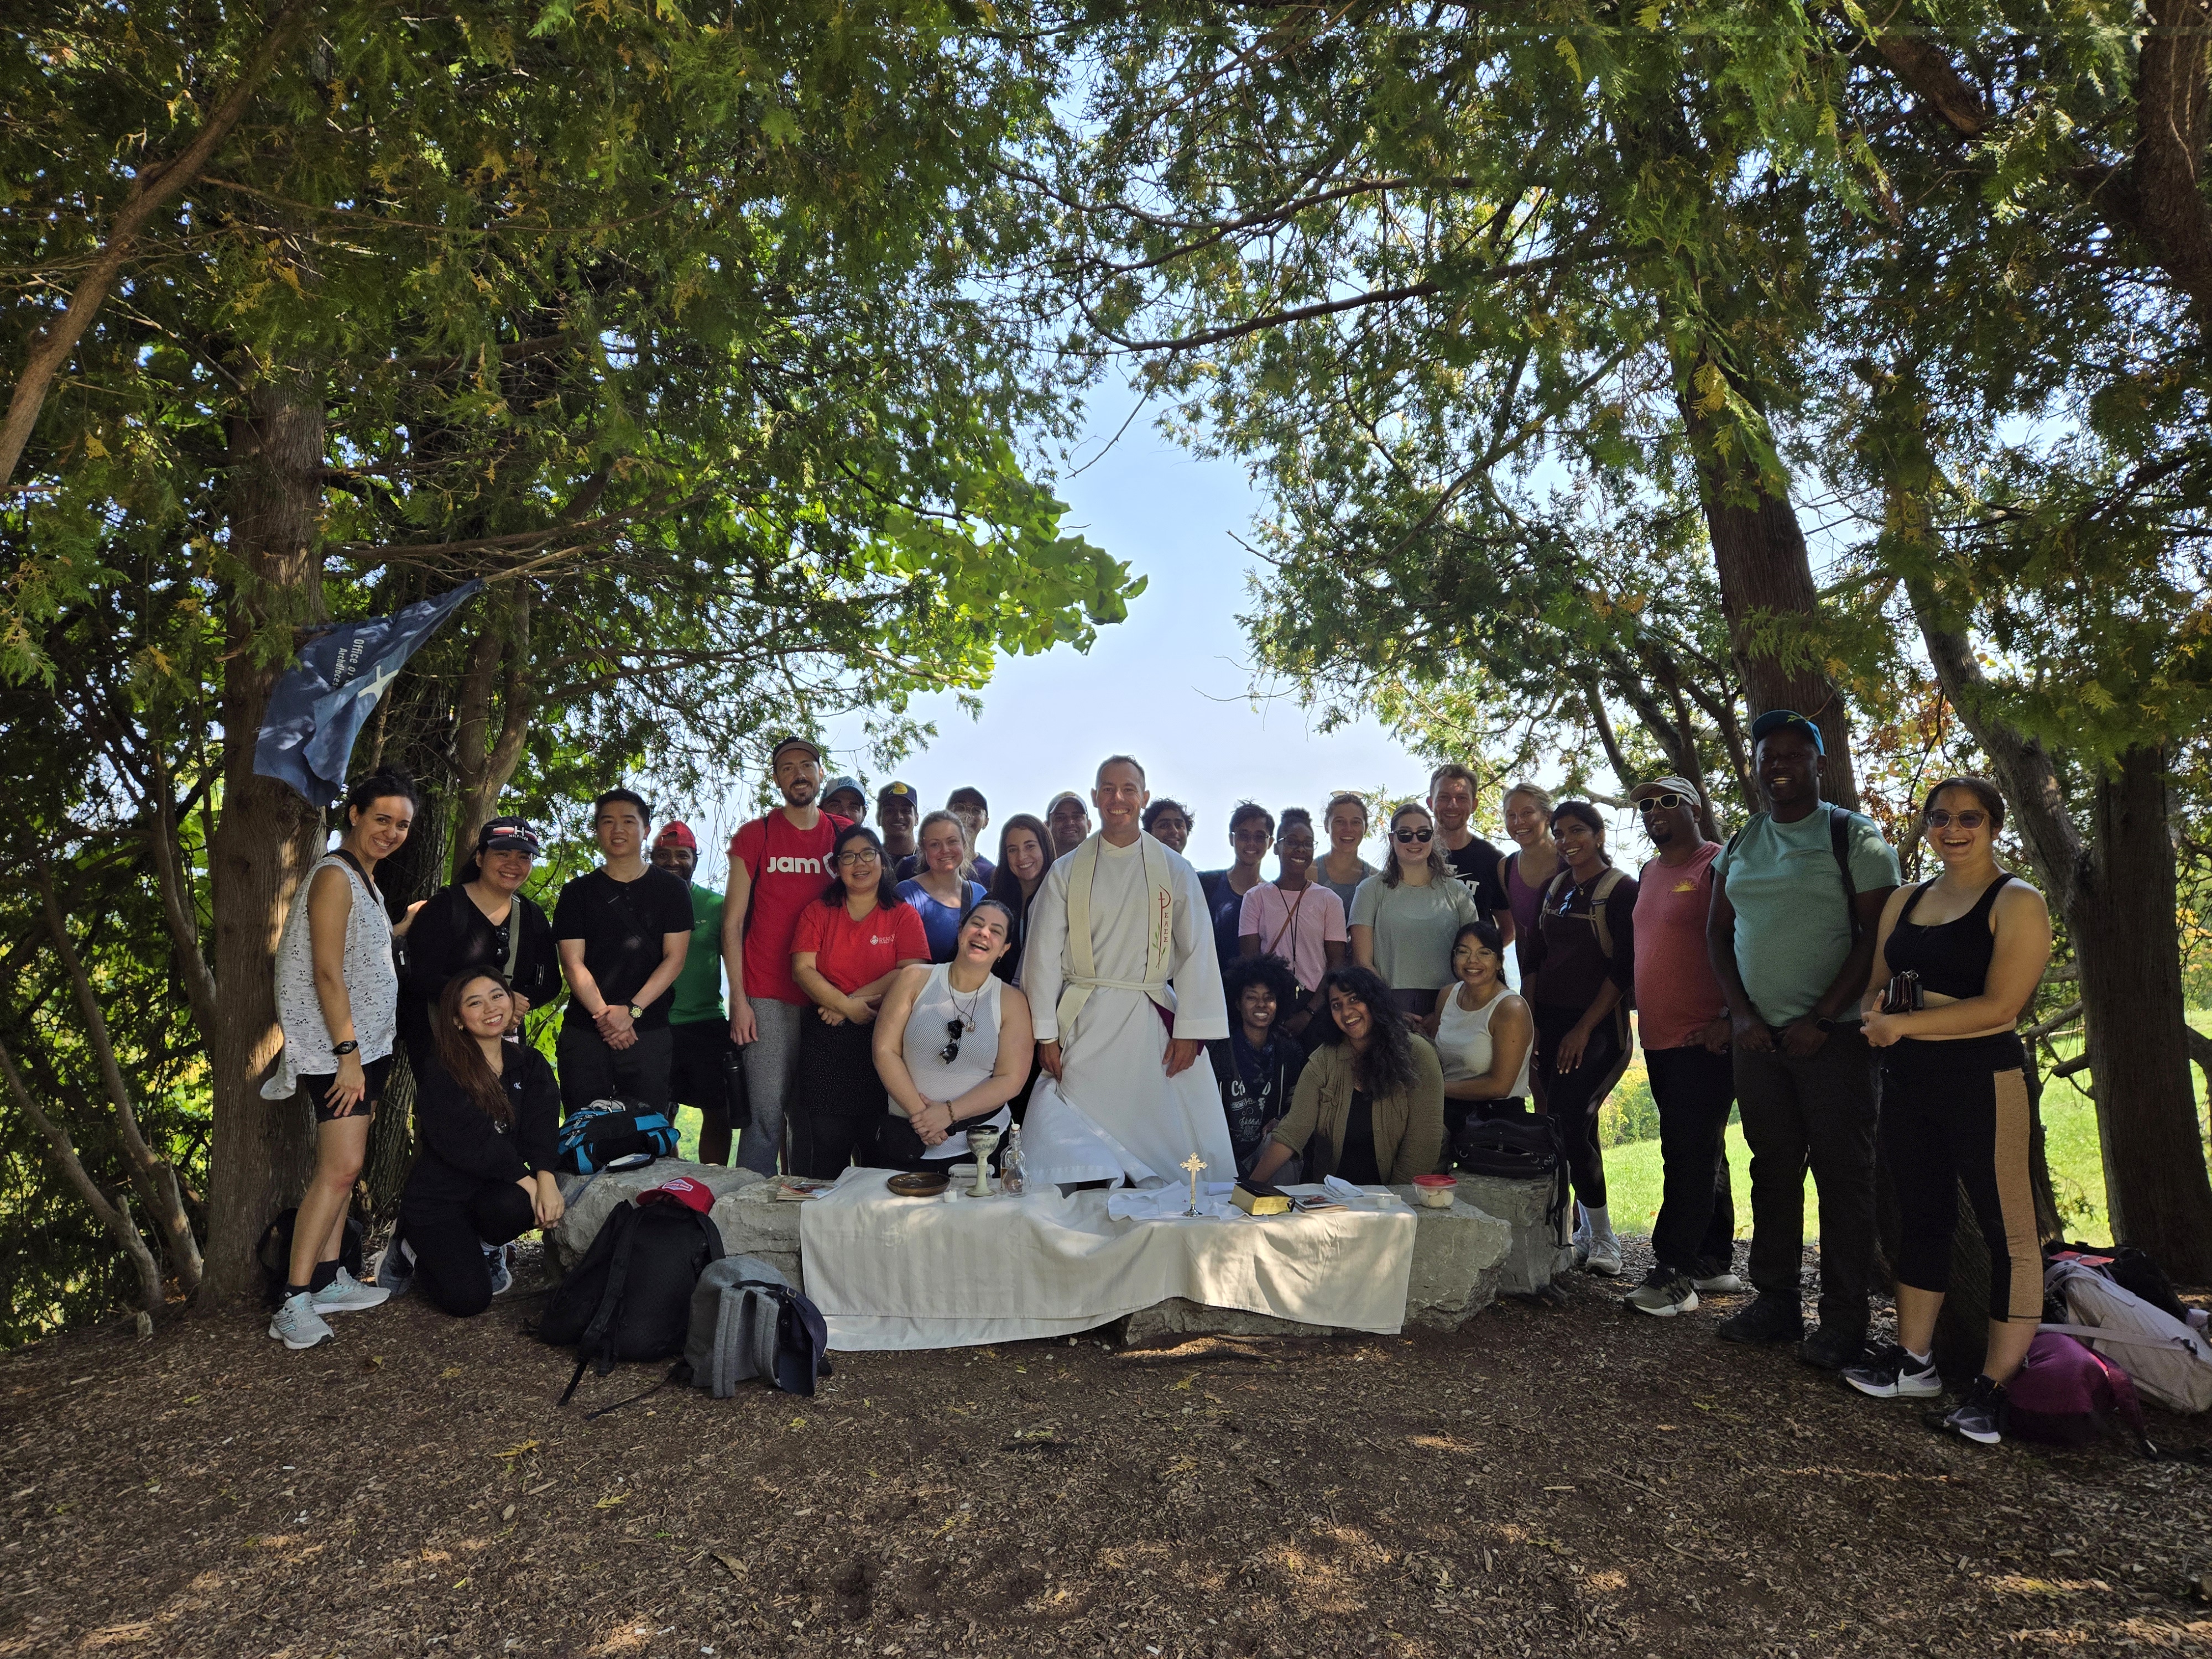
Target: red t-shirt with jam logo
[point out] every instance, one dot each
(789, 867)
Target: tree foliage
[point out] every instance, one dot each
(681, 324)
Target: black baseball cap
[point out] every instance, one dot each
(508, 835)
(807, 743)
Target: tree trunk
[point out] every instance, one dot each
(2156, 1190)
(1766, 576)
(267, 836)
(484, 765)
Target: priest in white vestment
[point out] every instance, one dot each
(1118, 967)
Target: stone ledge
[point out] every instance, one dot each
(580, 1225)
(1491, 1243)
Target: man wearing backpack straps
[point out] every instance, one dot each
(1797, 896)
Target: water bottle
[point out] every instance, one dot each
(1010, 1161)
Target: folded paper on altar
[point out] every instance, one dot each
(889, 1272)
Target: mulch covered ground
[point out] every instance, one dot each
(1550, 1480)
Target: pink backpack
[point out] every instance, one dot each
(2067, 1394)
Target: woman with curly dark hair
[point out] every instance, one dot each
(1370, 1105)
(1257, 1064)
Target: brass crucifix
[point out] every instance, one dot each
(1194, 1164)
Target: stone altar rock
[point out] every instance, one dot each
(1537, 1256)
(584, 1216)
(1459, 1256)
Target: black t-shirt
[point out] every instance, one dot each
(1226, 907)
(1476, 864)
(1256, 1089)
(1356, 1163)
(621, 924)
(449, 934)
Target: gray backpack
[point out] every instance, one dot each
(735, 1308)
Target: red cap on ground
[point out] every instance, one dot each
(676, 834)
(679, 1189)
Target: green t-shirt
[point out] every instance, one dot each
(699, 986)
(1792, 933)
(1413, 928)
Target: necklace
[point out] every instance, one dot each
(968, 1014)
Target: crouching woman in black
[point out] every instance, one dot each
(486, 1112)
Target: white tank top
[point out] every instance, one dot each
(1463, 1043)
(372, 982)
(928, 1030)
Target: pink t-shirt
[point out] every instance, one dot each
(1677, 994)
(1294, 926)
(788, 867)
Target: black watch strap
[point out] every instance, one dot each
(349, 1045)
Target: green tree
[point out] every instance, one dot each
(678, 324)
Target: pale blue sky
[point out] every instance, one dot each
(1170, 685)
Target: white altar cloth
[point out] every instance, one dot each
(901, 1273)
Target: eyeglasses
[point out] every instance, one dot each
(860, 856)
(1666, 803)
(953, 1030)
(1411, 835)
(1972, 818)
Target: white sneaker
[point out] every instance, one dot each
(1604, 1257)
(1720, 1285)
(297, 1325)
(346, 1294)
(1582, 1236)
(502, 1275)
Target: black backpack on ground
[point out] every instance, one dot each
(630, 1297)
(274, 1252)
(1517, 1149)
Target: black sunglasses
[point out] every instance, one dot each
(1666, 802)
(950, 1051)
(1414, 835)
(1938, 817)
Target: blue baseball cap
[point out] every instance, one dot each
(1779, 719)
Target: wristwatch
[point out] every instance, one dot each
(636, 1012)
(1831, 1026)
(349, 1045)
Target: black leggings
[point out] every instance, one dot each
(1956, 1114)
(837, 1103)
(1575, 1097)
(449, 1239)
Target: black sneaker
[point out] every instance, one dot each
(1833, 1350)
(1979, 1417)
(1664, 1293)
(1893, 1374)
(1769, 1319)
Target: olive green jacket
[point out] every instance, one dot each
(1409, 1123)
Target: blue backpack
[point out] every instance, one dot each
(614, 1134)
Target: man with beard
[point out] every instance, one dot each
(1473, 860)
(1117, 919)
(845, 799)
(1797, 898)
(1069, 820)
(778, 865)
(1682, 1024)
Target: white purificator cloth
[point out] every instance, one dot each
(899, 1273)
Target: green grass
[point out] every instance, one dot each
(1633, 1173)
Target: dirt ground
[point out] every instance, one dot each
(1551, 1479)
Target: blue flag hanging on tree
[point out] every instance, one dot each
(318, 707)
